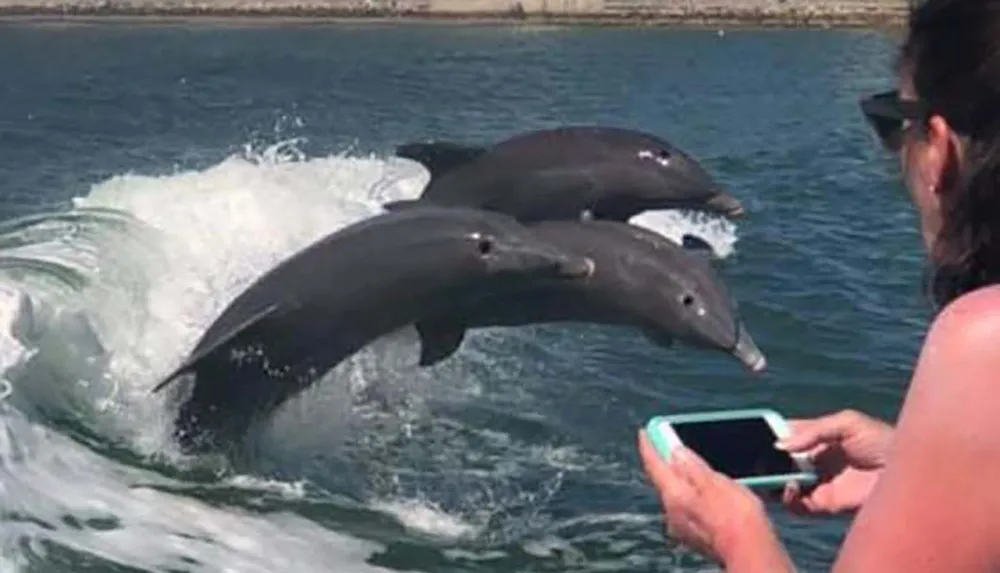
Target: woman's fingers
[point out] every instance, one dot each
(792, 499)
(683, 465)
(679, 489)
(808, 433)
(797, 501)
(654, 464)
(694, 469)
(675, 479)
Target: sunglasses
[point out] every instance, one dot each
(886, 113)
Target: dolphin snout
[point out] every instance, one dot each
(747, 351)
(727, 205)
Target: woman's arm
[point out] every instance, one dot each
(937, 505)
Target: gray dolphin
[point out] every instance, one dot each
(334, 297)
(570, 172)
(641, 279)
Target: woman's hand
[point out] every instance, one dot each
(848, 450)
(706, 510)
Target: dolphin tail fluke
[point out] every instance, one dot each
(402, 204)
(439, 339)
(439, 157)
(184, 368)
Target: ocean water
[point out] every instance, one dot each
(149, 172)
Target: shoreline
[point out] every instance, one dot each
(694, 19)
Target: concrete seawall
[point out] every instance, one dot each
(713, 13)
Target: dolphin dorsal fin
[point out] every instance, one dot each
(439, 157)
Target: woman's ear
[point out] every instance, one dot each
(937, 153)
(940, 154)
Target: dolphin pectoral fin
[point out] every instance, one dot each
(439, 157)
(439, 339)
(658, 337)
(207, 350)
(174, 375)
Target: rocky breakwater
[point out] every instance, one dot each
(820, 13)
(714, 13)
(784, 13)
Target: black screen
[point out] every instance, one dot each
(737, 448)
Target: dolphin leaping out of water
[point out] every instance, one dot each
(572, 172)
(328, 301)
(641, 280)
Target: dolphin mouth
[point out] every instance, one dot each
(747, 351)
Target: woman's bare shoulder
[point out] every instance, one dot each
(977, 308)
(955, 391)
(966, 327)
(935, 506)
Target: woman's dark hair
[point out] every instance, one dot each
(952, 54)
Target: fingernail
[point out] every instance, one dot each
(681, 454)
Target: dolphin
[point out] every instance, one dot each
(571, 172)
(331, 299)
(641, 280)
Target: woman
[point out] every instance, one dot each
(932, 503)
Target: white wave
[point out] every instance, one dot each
(720, 234)
(152, 286)
(55, 491)
(427, 518)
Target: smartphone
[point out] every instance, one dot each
(736, 443)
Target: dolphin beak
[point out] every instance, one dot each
(748, 352)
(727, 205)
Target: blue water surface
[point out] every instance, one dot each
(149, 172)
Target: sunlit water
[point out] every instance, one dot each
(151, 173)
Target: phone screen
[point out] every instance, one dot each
(738, 448)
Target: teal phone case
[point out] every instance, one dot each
(779, 423)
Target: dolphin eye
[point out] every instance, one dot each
(484, 246)
(663, 154)
(690, 302)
